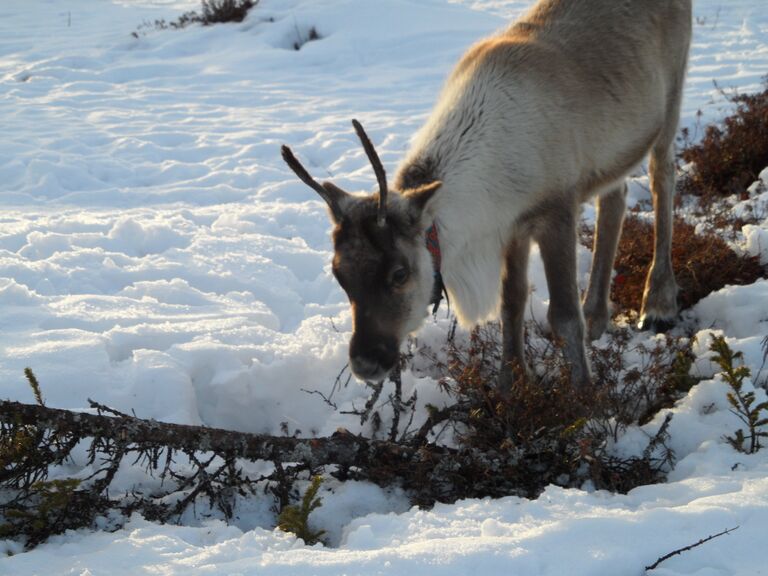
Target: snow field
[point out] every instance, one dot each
(157, 256)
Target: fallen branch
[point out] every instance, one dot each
(689, 547)
(342, 448)
(33, 438)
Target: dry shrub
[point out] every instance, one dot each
(546, 431)
(212, 12)
(534, 405)
(729, 157)
(508, 443)
(220, 11)
(702, 263)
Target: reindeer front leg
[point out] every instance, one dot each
(557, 242)
(513, 298)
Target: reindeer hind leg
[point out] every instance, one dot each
(610, 217)
(660, 297)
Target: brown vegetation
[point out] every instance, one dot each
(730, 156)
(547, 431)
(703, 263)
(212, 12)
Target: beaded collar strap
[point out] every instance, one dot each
(438, 288)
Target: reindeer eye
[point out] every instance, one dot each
(399, 276)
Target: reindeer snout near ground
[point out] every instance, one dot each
(372, 358)
(551, 112)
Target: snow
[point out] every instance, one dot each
(564, 531)
(157, 256)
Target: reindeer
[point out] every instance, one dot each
(554, 110)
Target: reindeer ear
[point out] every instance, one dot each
(336, 198)
(418, 198)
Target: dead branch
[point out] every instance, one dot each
(689, 547)
(342, 448)
(35, 437)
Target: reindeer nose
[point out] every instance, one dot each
(371, 362)
(367, 369)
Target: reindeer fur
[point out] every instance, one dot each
(554, 110)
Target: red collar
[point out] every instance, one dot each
(438, 288)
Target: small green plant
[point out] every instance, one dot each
(294, 518)
(19, 442)
(15, 446)
(742, 403)
(35, 385)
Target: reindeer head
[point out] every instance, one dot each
(380, 260)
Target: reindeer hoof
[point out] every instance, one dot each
(657, 325)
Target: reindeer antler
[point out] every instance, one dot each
(326, 191)
(378, 169)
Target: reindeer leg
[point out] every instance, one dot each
(610, 216)
(557, 242)
(660, 295)
(513, 298)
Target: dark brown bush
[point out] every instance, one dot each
(213, 12)
(218, 11)
(730, 156)
(547, 431)
(702, 263)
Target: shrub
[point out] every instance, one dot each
(703, 263)
(547, 431)
(218, 11)
(730, 156)
(212, 12)
(55, 501)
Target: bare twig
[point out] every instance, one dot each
(325, 398)
(102, 408)
(397, 403)
(689, 547)
(365, 413)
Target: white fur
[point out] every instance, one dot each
(557, 118)
(423, 289)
